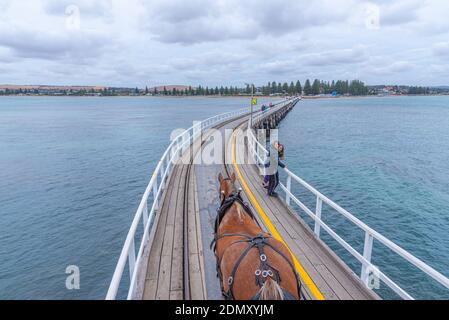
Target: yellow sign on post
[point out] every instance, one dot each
(254, 102)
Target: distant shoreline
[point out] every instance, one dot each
(230, 97)
(374, 96)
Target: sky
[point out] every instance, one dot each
(223, 42)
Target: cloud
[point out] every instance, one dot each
(442, 69)
(229, 42)
(96, 9)
(198, 21)
(441, 49)
(279, 67)
(6, 56)
(400, 12)
(52, 45)
(392, 68)
(28, 31)
(180, 11)
(336, 57)
(212, 59)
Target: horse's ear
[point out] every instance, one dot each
(220, 178)
(233, 177)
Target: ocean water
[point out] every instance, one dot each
(386, 160)
(72, 173)
(73, 170)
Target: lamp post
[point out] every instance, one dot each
(252, 106)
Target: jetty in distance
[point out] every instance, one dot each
(172, 259)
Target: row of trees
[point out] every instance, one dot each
(341, 87)
(354, 87)
(81, 92)
(282, 88)
(271, 88)
(202, 91)
(317, 87)
(418, 90)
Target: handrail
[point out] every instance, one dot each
(256, 148)
(155, 188)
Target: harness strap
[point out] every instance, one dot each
(216, 238)
(235, 242)
(298, 280)
(258, 242)
(234, 270)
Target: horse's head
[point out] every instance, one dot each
(227, 186)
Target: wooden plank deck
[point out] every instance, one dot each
(196, 263)
(164, 277)
(158, 279)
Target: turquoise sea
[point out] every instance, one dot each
(386, 160)
(72, 173)
(73, 170)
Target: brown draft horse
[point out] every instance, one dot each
(251, 264)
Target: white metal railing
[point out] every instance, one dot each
(260, 156)
(148, 207)
(260, 151)
(273, 108)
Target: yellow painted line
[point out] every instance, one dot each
(299, 268)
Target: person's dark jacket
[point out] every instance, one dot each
(273, 157)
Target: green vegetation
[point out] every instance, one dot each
(418, 90)
(307, 88)
(340, 87)
(310, 88)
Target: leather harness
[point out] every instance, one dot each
(259, 242)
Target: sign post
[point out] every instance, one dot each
(253, 103)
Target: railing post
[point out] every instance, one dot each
(319, 207)
(145, 215)
(173, 156)
(183, 140)
(162, 175)
(155, 199)
(168, 160)
(367, 252)
(179, 147)
(289, 189)
(255, 151)
(132, 259)
(174, 150)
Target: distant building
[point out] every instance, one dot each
(51, 90)
(170, 88)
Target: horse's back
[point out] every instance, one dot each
(245, 274)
